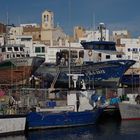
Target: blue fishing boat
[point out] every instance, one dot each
(40, 120)
(99, 74)
(99, 62)
(82, 108)
(130, 80)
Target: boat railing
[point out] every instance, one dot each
(56, 108)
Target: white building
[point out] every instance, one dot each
(122, 33)
(27, 41)
(29, 25)
(1, 40)
(40, 50)
(13, 32)
(95, 35)
(132, 49)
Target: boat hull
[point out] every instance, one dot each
(101, 74)
(15, 71)
(131, 80)
(129, 111)
(36, 120)
(12, 124)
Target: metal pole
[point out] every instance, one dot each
(69, 64)
(69, 44)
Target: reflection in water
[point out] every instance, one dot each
(130, 127)
(19, 137)
(105, 130)
(77, 133)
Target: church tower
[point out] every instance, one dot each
(47, 20)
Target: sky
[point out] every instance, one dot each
(116, 14)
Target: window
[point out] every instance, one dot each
(27, 55)
(47, 17)
(9, 49)
(26, 39)
(135, 49)
(18, 55)
(129, 49)
(44, 18)
(16, 49)
(37, 49)
(119, 56)
(8, 56)
(21, 49)
(40, 49)
(107, 56)
(43, 49)
(3, 49)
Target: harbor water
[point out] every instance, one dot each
(110, 129)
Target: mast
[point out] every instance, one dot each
(6, 34)
(69, 44)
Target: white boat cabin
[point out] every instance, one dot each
(12, 51)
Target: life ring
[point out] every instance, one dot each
(90, 53)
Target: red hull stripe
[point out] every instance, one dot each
(130, 118)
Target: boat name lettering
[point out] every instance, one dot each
(99, 72)
(20, 61)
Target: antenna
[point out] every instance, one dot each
(93, 20)
(93, 24)
(7, 18)
(7, 30)
(69, 42)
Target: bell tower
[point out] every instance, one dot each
(47, 20)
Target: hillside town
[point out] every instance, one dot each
(48, 38)
(51, 79)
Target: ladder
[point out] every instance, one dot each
(55, 78)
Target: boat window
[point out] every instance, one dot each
(96, 47)
(3, 49)
(21, 49)
(26, 39)
(119, 56)
(18, 55)
(81, 53)
(8, 56)
(16, 49)
(9, 49)
(107, 56)
(104, 47)
(135, 50)
(22, 55)
(27, 55)
(129, 49)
